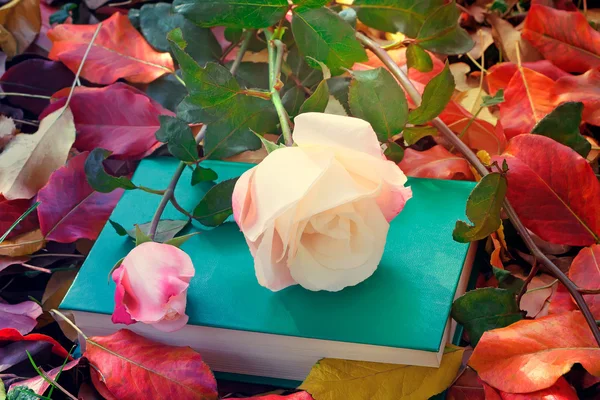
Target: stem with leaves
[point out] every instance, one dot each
(276, 49)
(455, 141)
(168, 195)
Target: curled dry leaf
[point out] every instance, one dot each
(28, 160)
(118, 118)
(119, 51)
(21, 19)
(437, 162)
(553, 189)
(508, 39)
(70, 209)
(563, 37)
(531, 355)
(585, 273)
(170, 372)
(22, 245)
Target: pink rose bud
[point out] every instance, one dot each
(152, 283)
(317, 214)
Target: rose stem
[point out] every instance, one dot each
(482, 170)
(276, 49)
(169, 192)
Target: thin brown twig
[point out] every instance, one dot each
(534, 270)
(482, 170)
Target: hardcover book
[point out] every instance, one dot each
(399, 315)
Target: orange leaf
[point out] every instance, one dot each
(561, 390)
(119, 51)
(466, 387)
(499, 75)
(437, 162)
(531, 355)
(563, 37)
(585, 273)
(527, 100)
(584, 88)
(561, 301)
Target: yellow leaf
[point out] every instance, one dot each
(28, 160)
(471, 100)
(22, 245)
(22, 18)
(358, 380)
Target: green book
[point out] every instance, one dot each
(399, 315)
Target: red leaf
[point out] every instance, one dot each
(294, 396)
(563, 37)
(118, 118)
(119, 51)
(553, 189)
(159, 371)
(466, 387)
(437, 162)
(12, 335)
(531, 355)
(585, 273)
(481, 135)
(10, 211)
(527, 99)
(500, 74)
(70, 209)
(584, 88)
(561, 390)
(561, 301)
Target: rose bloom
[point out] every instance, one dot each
(152, 283)
(317, 214)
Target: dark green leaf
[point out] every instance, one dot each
(481, 310)
(418, 59)
(227, 139)
(299, 68)
(311, 3)
(483, 209)
(441, 33)
(339, 88)
(436, 96)
(317, 102)
(500, 6)
(134, 18)
(562, 125)
(394, 152)
(97, 176)
(376, 97)
(156, 20)
(232, 13)
(413, 134)
(325, 36)
(140, 236)
(121, 231)
(253, 75)
(234, 35)
(508, 281)
(292, 101)
(488, 101)
(167, 90)
(166, 229)
(179, 138)
(215, 207)
(202, 174)
(22, 393)
(406, 16)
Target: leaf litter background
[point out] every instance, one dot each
(543, 55)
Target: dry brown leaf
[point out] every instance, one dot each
(535, 301)
(483, 39)
(28, 160)
(507, 37)
(56, 289)
(8, 43)
(22, 245)
(22, 18)
(471, 100)
(593, 155)
(462, 81)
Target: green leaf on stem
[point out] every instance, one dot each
(488, 101)
(23, 393)
(215, 207)
(167, 90)
(418, 59)
(376, 97)
(140, 236)
(483, 209)
(292, 101)
(394, 152)
(202, 174)
(97, 176)
(339, 89)
(165, 230)
(270, 146)
(325, 36)
(121, 231)
(481, 310)
(317, 102)
(406, 16)
(413, 134)
(562, 125)
(296, 66)
(232, 13)
(179, 138)
(156, 20)
(508, 281)
(436, 96)
(441, 32)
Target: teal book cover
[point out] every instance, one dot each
(404, 304)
